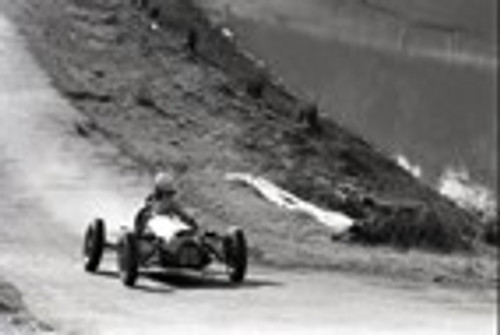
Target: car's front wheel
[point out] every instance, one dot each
(128, 259)
(93, 245)
(235, 250)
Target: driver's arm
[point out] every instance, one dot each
(177, 210)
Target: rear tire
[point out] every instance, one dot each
(235, 250)
(93, 245)
(128, 259)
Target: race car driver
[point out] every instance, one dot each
(162, 202)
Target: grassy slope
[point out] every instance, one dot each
(167, 108)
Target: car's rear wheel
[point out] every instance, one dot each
(128, 259)
(93, 245)
(235, 250)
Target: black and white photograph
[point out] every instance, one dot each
(249, 167)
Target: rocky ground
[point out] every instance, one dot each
(14, 317)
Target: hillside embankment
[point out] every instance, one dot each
(174, 91)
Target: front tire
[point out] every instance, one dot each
(128, 259)
(93, 245)
(235, 250)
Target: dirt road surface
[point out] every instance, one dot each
(53, 181)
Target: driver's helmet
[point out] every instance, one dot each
(164, 185)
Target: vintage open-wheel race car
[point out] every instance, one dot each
(167, 243)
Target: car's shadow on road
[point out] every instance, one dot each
(166, 281)
(207, 280)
